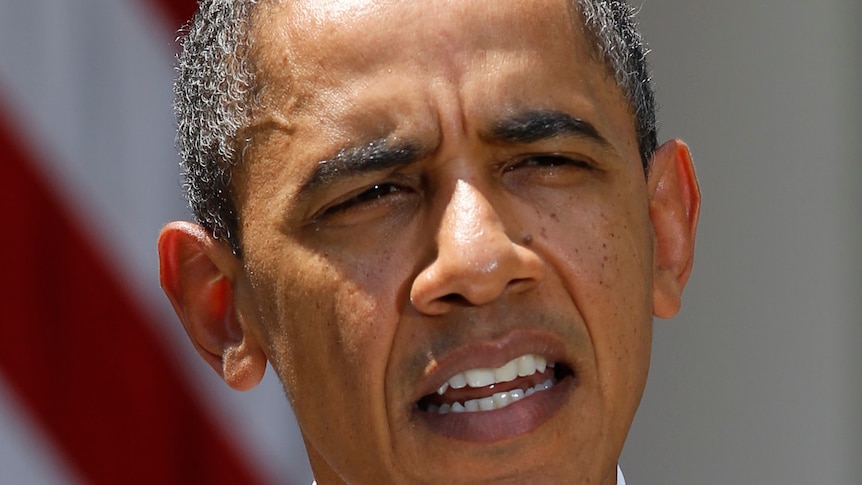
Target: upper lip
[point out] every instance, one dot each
(489, 354)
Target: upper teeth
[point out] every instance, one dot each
(522, 366)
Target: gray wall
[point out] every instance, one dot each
(757, 381)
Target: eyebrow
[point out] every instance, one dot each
(378, 155)
(370, 157)
(533, 126)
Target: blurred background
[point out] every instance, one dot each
(757, 381)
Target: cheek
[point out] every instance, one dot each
(601, 248)
(367, 294)
(329, 324)
(597, 243)
(602, 252)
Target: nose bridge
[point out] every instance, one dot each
(470, 228)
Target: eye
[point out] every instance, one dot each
(551, 161)
(366, 199)
(549, 169)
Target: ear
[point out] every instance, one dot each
(198, 274)
(674, 205)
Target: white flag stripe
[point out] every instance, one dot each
(90, 83)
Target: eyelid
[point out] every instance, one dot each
(350, 199)
(569, 158)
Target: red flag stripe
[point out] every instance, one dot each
(83, 357)
(177, 12)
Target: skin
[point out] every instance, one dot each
(473, 248)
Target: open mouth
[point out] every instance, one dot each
(486, 389)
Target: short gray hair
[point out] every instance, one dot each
(215, 93)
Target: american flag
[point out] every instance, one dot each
(97, 381)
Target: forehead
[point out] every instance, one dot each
(438, 26)
(370, 23)
(349, 67)
(297, 42)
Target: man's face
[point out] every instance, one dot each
(433, 191)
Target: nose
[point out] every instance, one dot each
(476, 260)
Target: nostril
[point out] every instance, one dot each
(455, 299)
(518, 282)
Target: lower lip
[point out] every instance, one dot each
(512, 421)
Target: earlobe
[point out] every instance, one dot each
(674, 209)
(198, 274)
